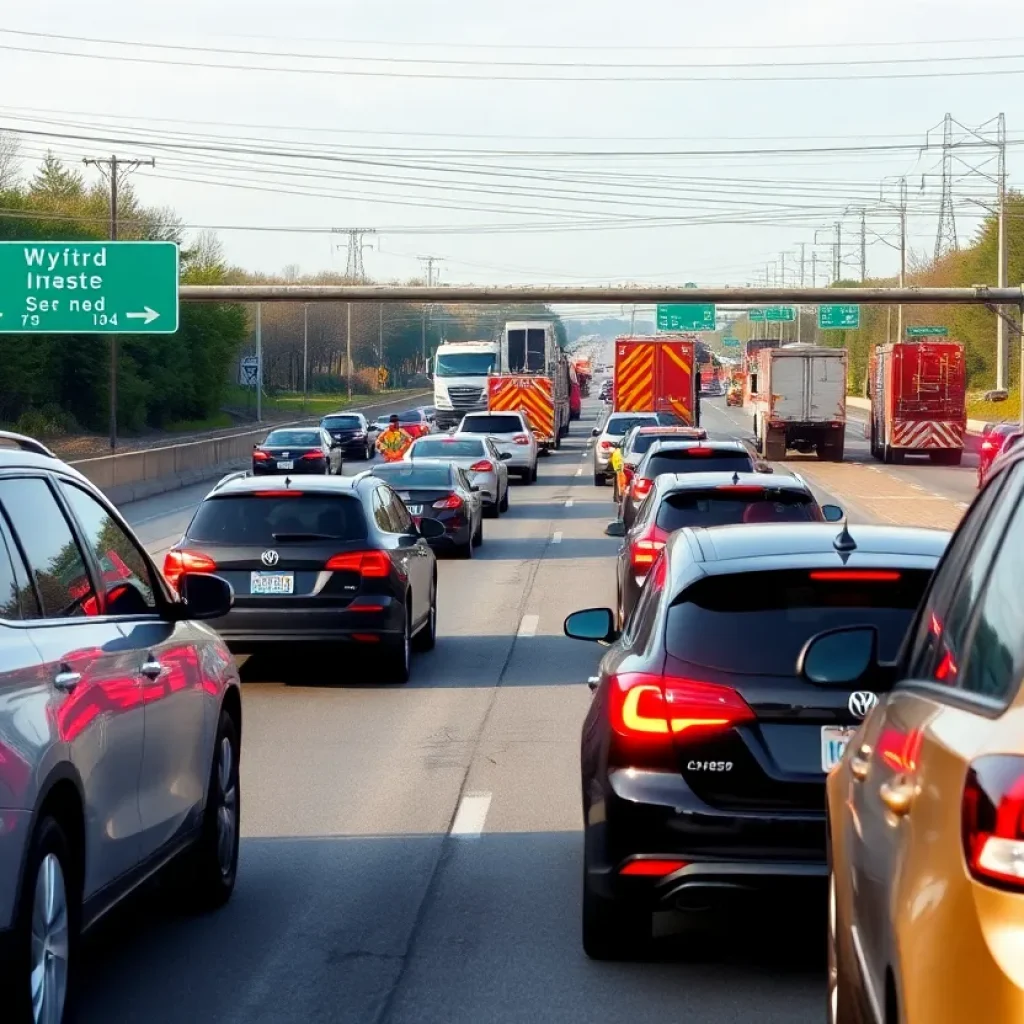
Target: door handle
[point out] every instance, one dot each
(66, 680)
(860, 762)
(898, 795)
(151, 669)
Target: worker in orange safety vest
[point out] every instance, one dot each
(394, 442)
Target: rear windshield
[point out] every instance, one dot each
(415, 416)
(681, 460)
(296, 437)
(618, 425)
(642, 442)
(713, 507)
(492, 425)
(342, 423)
(402, 476)
(448, 448)
(251, 519)
(756, 623)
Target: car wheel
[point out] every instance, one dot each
(212, 867)
(491, 511)
(466, 550)
(842, 1005)
(614, 929)
(478, 536)
(599, 480)
(426, 638)
(368, 454)
(503, 506)
(46, 929)
(397, 662)
(533, 475)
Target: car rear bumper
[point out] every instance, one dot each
(258, 469)
(643, 815)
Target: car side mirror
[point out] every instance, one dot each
(615, 529)
(204, 596)
(431, 529)
(845, 657)
(594, 624)
(125, 598)
(594, 433)
(832, 513)
(474, 488)
(504, 456)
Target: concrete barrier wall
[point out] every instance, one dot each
(131, 476)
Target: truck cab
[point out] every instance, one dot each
(461, 369)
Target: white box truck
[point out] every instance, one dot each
(461, 369)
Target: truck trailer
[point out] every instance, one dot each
(657, 375)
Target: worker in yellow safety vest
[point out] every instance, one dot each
(394, 442)
(615, 463)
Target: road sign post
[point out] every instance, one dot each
(927, 332)
(88, 287)
(686, 317)
(839, 318)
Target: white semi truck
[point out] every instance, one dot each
(461, 369)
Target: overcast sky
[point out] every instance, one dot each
(485, 155)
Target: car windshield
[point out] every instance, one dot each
(448, 448)
(722, 507)
(464, 364)
(756, 623)
(619, 425)
(683, 460)
(294, 437)
(342, 423)
(402, 476)
(492, 424)
(261, 519)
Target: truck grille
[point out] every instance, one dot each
(466, 398)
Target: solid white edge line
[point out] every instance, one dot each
(556, 537)
(528, 627)
(471, 815)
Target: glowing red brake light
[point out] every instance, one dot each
(483, 466)
(607, 444)
(646, 548)
(521, 439)
(371, 564)
(313, 455)
(699, 451)
(179, 561)
(452, 501)
(641, 487)
(740, 488)
(652, 868)
(856, 575)
(259, 456)
(987, 446)
(992, 816)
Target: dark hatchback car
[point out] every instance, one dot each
(439, 490)
(705, 500)
(704, 753)
(350, 432)
(665, 456)
(331, 561)
(297, 450)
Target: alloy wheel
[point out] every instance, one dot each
(227, 807)
(50, 942)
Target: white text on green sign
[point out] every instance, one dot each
(686, 317)
(927, 332)
(839, 318)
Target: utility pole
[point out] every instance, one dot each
(1002, 339)
(429, 261)
(837, 257)
(111, 168)
(863, 246)
(945, 235)
(355, 270)
(782, 264)
(799, 317)
(305, 355)
(259, 362)
(348, 349)
(380, 337)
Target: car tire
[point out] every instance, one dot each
(478, 535)
(599, 480)
(491, 511)
(503, 504)
(466, 550)
(426, 638)
(614, 929)
(533, 475)
(396, 664)
(368, 454)
(50, 869)
(526, 476)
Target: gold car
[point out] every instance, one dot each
(926, 807)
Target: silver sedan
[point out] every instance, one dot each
(479, 457)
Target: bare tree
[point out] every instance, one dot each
(10, 162)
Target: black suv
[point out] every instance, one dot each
(351, 432)
(323, 560)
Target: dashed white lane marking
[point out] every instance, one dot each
(579, 472)
(528, 627)
(568, 503)
(471, 815)
(556, 537)
(162, 515)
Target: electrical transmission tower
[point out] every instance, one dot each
(355, 269)
(945, 237)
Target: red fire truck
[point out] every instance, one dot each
(918, 401)
(656, 375)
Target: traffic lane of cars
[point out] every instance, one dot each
(350, 898)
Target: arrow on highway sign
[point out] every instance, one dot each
(147, 316)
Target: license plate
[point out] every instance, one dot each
(833, 742)
(272, 583)
(285, 464)
(415, 510)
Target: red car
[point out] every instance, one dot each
(414, 422)
(998, 437)
(575, 395)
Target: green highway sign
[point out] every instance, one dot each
(780, 313)
(839, 318)
(731, 342)
(927, 332)
(755, 315)
(88, 287)
(687, 317)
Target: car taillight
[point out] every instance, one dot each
(856, 575)
(483, 466)
(607, 444)
(740, 488)
(988, 446)
(652, 868)
(520, 439)
(650, 713)
(646, 548)
(992, 815)
(313, 455)
(259, 456)
(700, 452)
(178, 561)
(452, 501)
(372, 564)
(641, 487)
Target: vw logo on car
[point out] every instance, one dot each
(861, 702)
(272, 557)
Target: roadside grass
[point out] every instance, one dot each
(993, 412)
(290, 404)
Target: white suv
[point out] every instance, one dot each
(610, 436)
(511, 434)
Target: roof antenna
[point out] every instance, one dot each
(844, 542)
(735, 478)
(287, 481)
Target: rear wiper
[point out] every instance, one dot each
(285, 537)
